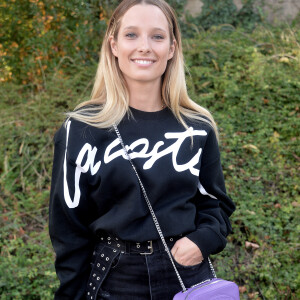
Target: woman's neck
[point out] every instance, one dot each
(145, 97)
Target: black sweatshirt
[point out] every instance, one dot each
(95, 188)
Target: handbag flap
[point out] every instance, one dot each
(215, 289)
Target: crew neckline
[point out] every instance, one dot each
(149, 115)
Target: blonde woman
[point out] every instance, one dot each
(106, 244)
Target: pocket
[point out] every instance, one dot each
(116, 261)
(180, 266)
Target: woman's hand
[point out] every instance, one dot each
(186, 252)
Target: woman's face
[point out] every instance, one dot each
(143, 46)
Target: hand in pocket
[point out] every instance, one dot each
(186, 252)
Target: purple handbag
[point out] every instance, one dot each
(211, 289)
(214, 289)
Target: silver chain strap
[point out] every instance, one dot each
(154, 216)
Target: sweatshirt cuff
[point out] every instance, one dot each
(207, 241)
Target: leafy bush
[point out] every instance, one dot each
(250, 83)
(38, 37)
(28, 123)
(220, 12)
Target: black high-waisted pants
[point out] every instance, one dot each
(120, 272)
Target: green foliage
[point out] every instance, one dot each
(40, 37)
(37, 37)
(250, 83)
(218, 12)
(28, 269)
(248, 17)
(28, 122)
(177, 5)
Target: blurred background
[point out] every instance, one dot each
(242, 63)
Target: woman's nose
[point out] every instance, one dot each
(144, 45)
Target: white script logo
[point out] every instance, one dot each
(109, 155)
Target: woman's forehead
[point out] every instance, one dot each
(144, 15)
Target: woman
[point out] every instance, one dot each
(106, 244)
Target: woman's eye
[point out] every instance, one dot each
(130, 35)
(158, 37)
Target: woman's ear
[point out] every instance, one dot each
(172, 49)
(113, 46)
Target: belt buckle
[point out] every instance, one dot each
(150, 247)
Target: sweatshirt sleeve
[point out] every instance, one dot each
(214, 206)
(68, 222)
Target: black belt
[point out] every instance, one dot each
(143, 248)
(109, 247)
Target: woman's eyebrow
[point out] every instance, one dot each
(135, 27)
(160, 29)
(130, 27)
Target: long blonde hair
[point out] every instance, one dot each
(110, 92)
